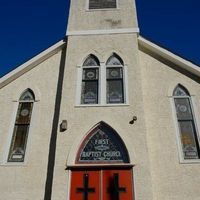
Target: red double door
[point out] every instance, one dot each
(102, 185)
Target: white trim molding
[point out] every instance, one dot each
(182, 63)
(30, 64)
(177, 130)
(34, 114)
(102, 82)
(103, 32)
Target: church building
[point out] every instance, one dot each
(104, 114)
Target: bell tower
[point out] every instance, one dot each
(104, 30)
(102, 83)
(102, 16)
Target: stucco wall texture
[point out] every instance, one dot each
(81, 18)
(152, 141)
(26, 180)
(159, 172)
(82, 119)
(172, 178)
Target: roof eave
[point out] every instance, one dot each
(30, 64)
(182, 63)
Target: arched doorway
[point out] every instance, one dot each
(102, 170)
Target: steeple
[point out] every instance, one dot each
(102, 15)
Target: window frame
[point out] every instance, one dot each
(113, 137)
(123, 82)
(101, 9)
(176, 121)
(98, 85)
(16, 104)
(102, 96)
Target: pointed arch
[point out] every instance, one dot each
(21, 127)
(102, 145)
(102, 83)
(114, 59)
(188, 134)
(27, 95)
(180, 90)
(115, 80)
(90, 80)
(91, 60)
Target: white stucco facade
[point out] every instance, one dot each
(150, 75)
(172, 177)
(20, 180)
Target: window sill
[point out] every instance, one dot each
(101, 105)
(101, 9)
(13, 164)
(196, 161)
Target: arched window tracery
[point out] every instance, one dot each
(102, 145)
(114, 80)
(90, 81)
(186, 121)
(21, 128)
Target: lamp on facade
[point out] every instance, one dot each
(63, 126)
(133, 120)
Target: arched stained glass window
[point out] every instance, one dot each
(102, 145)
(27, 96)
(187, 129)
(114, 80)
(180, 91)
(21, 129)
(90, 80)
(91, 60)
(114, 60)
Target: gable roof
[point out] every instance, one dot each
(143, 43)
(30, 64)
(169, 56)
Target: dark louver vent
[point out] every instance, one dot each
(102, 4)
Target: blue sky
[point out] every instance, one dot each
(29, 27)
